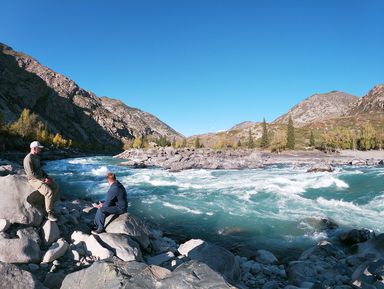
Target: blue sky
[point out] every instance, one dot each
(204, 65)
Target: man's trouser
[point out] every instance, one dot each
(50, 192)
(103, 212)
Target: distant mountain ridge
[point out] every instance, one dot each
(319, 107)
(67, 108)
(319, 112)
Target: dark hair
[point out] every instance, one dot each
(111, 176)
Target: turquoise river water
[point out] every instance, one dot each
(276, 208)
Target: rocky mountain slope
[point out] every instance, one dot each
(67, 108)
(373, 102)
(319, 107)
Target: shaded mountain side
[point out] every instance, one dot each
(73, 112)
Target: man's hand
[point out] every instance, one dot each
(98, 206)
(47, 181)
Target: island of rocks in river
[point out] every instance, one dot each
(189, 158)
(36, 253)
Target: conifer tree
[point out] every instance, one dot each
(197, 143)
(264, 137)
(250, 143)
(312, 140)
(290, 134)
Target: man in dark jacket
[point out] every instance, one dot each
(115, 204)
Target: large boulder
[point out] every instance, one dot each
(14, 278)
(19, 203)
(141, 276)
(123, 246)
(216, 257)
(194, 274)
(131, 226)
(19, 251)
(103, 275)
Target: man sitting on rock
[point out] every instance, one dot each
(39, 180)
(115, 204)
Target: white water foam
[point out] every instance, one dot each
(181, 208)
(101, 171)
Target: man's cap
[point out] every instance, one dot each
(35, 144)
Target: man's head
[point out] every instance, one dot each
(36, 147)
(111, 178)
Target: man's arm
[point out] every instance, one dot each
(111, 194)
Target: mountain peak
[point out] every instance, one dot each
(319, 106)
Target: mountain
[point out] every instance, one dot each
(373, 102)
(68, 109)
(319, 107)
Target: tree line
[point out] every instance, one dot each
(29, 128)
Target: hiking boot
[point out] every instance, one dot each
(98, 231)
(52, 217)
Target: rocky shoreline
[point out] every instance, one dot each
(188, 158)
(36, 253)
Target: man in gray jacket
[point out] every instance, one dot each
(39, 180)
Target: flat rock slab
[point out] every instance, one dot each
(131, 226)
(19, 251)
(122, 245)
(14, 278)
(19, 204)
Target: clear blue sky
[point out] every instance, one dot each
(204, 65)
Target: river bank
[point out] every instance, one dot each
(135, 254)
(188, 158)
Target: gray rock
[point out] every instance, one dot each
(194, 274)
(78, 237)
(320, 168)
(217, 258)
(265, 257)
(19, 251)
(54, 280)
(163, 245)
(4, 225)
(323, 249)
(131, 226)
(123, 246)
(271, 285)
(356, 236)
(14, 278)
(33, 267)
(96, 249)
(300, 271)
(29, 233)
(50, 232)
(160, 259)
(19, 204)
(103, 275)
(56, 251)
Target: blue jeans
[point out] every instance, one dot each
(103, 212)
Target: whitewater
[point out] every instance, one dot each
(278, 207)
